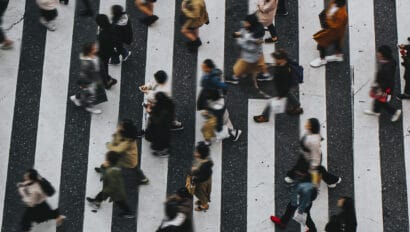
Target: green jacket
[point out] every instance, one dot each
(113, 184)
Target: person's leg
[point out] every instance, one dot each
(322, 51)
(115, 58)
(272, 30)
(140, 175)
(327, 177)
(292, 100)
(282, 8)
(26, 220)
(266, 112)
(290, 211)
(219, 117)
(3, 7)
(389, 108)
(227, 120)
(309, 222)
(123, 205)
(407, 83)
(2, 35)
(376, 106)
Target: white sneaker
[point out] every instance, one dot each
(334, 185)
(75, 100)
(93, 110)
(370, 112)
(334, 58)
(396, 116)
(289, 180)
(316, 63)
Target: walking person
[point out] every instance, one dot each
(91, 90)
(107, 41)
(251, 61)
(384, 84)
(122, 26)
(48, 13)
(34, 197)
(159, 124)
(405, 55)
(302, 196)
(312, 154)
(5, 42)
(124, 144)
(195, 15)
(175, 221)
(345, 220)
(201, 176)
(266, 13)
(335, 21)
(113, 187)
(284, 84)
(147, 7)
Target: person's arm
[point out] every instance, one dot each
(217, 82)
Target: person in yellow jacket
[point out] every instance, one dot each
(335, 21)
(124, 143)
(195, 15)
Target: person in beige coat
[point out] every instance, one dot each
(266, 12)
(124, 143)
(195, 14)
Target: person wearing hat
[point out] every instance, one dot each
(251, 61)
(201, 173)
(195, 14)
(332, 34)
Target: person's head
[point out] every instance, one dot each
(250, 21)
(161, 99)
(340, 3)
(103, 21)
(313, 125)
(347, 206)
(112, 157)
(128, 129)
(171, 209)
(384, 52)
(161, 77)
(117, 11)
(89, 49)
(201, 150)
(208, 65)
(280, 56)
(31, 175)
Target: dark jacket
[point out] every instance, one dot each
(122, 26)
(89, 69)
(283, 80)
(212, 80)
(204, 172)
(107, 41)
(113, 184)
(385, 76)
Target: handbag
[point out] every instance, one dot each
(322, 19)
(189, 185)
(300, 217)
(278, 105)
(378, 94)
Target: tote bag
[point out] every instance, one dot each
(278, 105)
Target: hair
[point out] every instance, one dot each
(202, 149)
(171, 209)
(32, 174)
(340, 3)
(349, 209)
(117, 12)
(256, 27)
(129, 129)
(163, 104)
(209, 63)
(386, 52)
(103, 21)
(314, 125)
(280, 54)
(112, 157)
(87, 48)
(161, 77)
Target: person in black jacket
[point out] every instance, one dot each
(122, 26)
(201, 173)
(283, 84)
(159, 124)
(384, 84)
(107, 41)
(346, 220)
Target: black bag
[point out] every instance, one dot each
(322, 19)
(296, 73)
(46, 186)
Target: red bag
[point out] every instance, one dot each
(379, 95)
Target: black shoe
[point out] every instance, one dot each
(149, 20)
(161, 153)
(176, 126)
(93, 203)
(143, 181)
(86, 13)
(403, 96)
(140, 134)
(127, 215)
(110, 83)
(98, 170)
(270, 40)
(282, 13)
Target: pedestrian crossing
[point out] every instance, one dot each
(40, 127)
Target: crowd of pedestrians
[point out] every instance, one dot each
(111, 47)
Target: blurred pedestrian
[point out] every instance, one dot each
(251, 61)
(159, 125)
(383, 86)
(113, 187)
(107, 41)
(34, 197)
(266, 13)
(147, 7)
(175, 221)
(5, 42)
(194, 16)
(345, 220)
(405, 55)
(48, 13)
(183, 200)
(335, 21)
(122, 26)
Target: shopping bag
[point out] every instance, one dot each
(189, 185)
(300, 218)
(278, 105)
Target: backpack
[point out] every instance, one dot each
(296, 72)
(46, 186)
